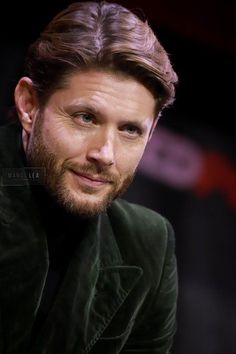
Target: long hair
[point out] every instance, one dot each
(99, 35)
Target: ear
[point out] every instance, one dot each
(26, 103)
(153, 127)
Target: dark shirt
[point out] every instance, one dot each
(63, 231)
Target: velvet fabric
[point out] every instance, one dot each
(119, 291)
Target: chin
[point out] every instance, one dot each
(86, 205)
(80, 200)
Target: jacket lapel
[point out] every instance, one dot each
(114, 283)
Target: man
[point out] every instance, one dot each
(82, 271)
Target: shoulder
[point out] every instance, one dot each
(138, 218)
(142, 230)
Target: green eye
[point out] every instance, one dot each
(131, 130)
(86, 117)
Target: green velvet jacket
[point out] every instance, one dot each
(119, 292)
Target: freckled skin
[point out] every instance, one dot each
(90, 137)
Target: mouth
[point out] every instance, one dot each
(91, 180)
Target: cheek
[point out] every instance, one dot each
(129, 160)
(63, 142)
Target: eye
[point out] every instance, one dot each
(131, 130)
(83, 117)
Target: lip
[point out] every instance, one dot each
(92, 181)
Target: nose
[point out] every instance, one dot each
(101, 150)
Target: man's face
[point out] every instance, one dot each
(90, 137)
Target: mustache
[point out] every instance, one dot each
(91, 170)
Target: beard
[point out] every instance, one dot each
(84, 201)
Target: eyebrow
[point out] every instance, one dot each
(84, 106)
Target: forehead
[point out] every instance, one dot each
(106, 89)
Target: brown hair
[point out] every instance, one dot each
(104, 36)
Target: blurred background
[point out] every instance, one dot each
(188, 172)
